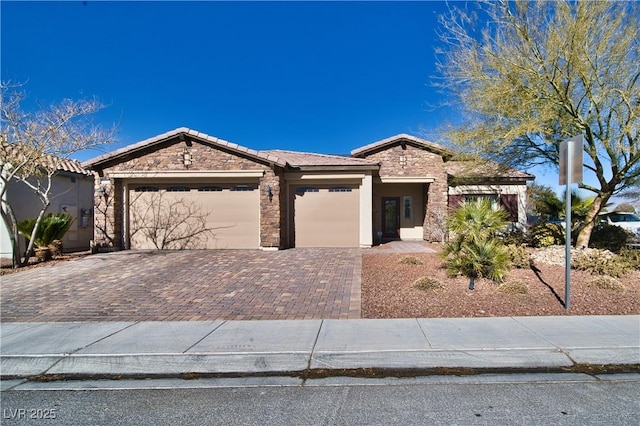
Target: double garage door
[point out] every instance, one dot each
(198, 216)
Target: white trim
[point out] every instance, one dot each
(126, 242)
(406, 179)
(297, 177)
(366, 214)
(171, 174)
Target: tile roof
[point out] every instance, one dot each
(48, 160)
(309, 159)
(403, 137)
(183, 131)
(72, 166)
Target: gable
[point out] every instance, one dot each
(178, 155)
(183, 149)
(402, 140)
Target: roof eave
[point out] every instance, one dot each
(342, 168)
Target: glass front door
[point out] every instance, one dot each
(390, 217)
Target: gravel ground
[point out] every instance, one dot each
(388, 291)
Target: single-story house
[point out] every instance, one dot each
(396, 188)
(72, 192)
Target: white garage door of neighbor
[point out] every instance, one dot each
(194, 216)
(327, 216)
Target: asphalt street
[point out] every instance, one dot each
(534, 399)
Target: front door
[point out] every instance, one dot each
(390, 217)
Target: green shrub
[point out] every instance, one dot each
(599, 262)
(518, 255)
(52, 227)
(609, 237)
(546, 235)
(474, 250)
(632, 257)
(428, 283)
(606, 283)
(481, 259)
(411, 260)
(513, 287)
(514, 237)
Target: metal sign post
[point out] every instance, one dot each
(571, 165)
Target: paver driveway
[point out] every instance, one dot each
(299, 283)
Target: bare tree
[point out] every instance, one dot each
(532, 74)
(168, 221)
(104, 220)
(33, 145)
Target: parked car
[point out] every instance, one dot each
(628, 221)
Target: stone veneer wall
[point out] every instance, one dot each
(272, 226)
(419, 162)
(169, 156)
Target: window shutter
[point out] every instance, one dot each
(509, 202)
(455, 201)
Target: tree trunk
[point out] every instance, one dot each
(9, 219)
(27, 254)
(584, 233)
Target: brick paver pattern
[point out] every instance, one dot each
(192, 285)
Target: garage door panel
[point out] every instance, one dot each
(327, 217)
(231, 218)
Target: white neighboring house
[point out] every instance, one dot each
(71, 193)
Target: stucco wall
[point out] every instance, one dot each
(70, 193)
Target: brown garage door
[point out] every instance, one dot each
(327, 216)
(181, 216)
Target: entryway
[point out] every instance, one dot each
(390, 217)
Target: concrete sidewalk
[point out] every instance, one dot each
(313, 348)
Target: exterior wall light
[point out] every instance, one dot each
(268, 191)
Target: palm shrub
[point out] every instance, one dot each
(52, 227)
(473, 249)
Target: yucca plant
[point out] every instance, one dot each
(52, 227)
(473, 250)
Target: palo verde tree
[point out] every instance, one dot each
(32, 145)
(532, 74)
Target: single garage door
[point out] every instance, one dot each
(179, 216)
(327, 216)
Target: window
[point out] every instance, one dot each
(210, 189)
(491, 198)
(340, 189)
(302, 190)
(407, 207)
(178, 189)
(238, 188)
(146, 189)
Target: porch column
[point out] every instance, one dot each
(366, 214)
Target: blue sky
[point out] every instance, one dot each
(323, 77)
